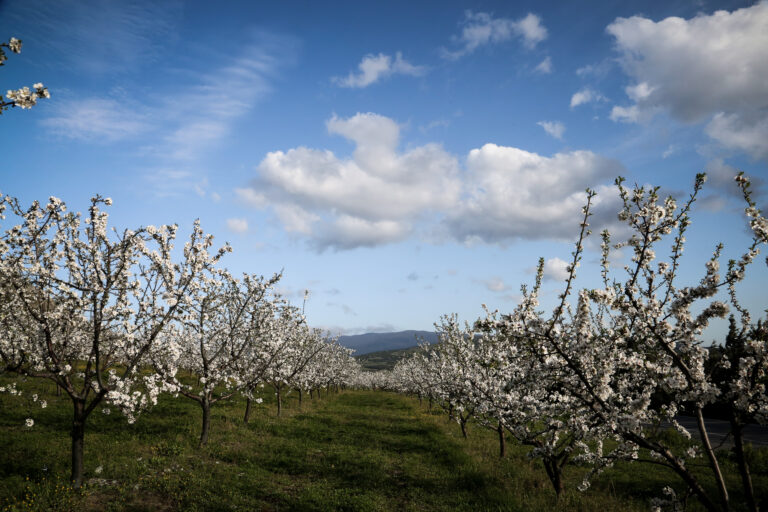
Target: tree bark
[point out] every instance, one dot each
(463, 424)
(300, 393)
(555, 476)
(279, 402)
(502, 443)
(78, 441)
(712, 459)
(746, 478)
(206, 405)
(247, 416)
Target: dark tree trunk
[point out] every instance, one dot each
(746, 478)
(206, 405)
(311, 393)
(554, 472)
(713, 464)
(300, 393)
(247, 416)
(430, 403)
(78, 440)
(463, 423)
(502, 444)
(279, 402)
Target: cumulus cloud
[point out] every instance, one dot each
(376, 67)
(480, 29)
(374, 197)
(709, 65)
(585, 95)
(544, 67)
(514, 194)
(382, 195)
(553, 128)
(237, 225)
(747, 132)
(555, 269)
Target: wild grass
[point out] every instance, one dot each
(354, 450)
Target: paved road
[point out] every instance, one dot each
(718, 431)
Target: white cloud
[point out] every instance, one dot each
(553, 128)
(495, 284)
(514, 194)
(544, 67)
(709, 65)
(481, 28)
(376, 67)
(629, 114)
(382, 195)
(237, 225)
(555, 269)
(99, 120)
(585, 95)
(371, 198)
(744, 131)
(178, 127)
(671, 150)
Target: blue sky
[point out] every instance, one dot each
(401, 160)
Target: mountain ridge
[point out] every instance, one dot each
(381, 341)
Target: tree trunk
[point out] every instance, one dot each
(746, 478)
(247, 416)
(463, 424)
(206, 405)
(430, 403)
(78, 440)
(279, 402)
(311, 392)
(712, 459)
(555, 476)
(502, 444)
(300, 393)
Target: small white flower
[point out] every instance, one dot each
(29, 422)
(98, 470)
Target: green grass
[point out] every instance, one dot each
(356, 450)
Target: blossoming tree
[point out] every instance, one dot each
(85, 305)
(25, 97)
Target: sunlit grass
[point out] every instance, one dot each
(356, 450)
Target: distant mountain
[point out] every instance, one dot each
(378, 341)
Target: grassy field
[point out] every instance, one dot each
(355, 450)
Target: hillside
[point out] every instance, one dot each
(384, 359)
(378, 341)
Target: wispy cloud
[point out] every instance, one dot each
(377, 67)
(553, 128)
(100, 120)
(480, 29)
(544, 67)
(585, 95)
(101, 37)
(239, 226)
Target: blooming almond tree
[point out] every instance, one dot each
(24, 97)
(632, 357)
(221, 319)
(86, 305)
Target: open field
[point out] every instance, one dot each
(355, 450)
